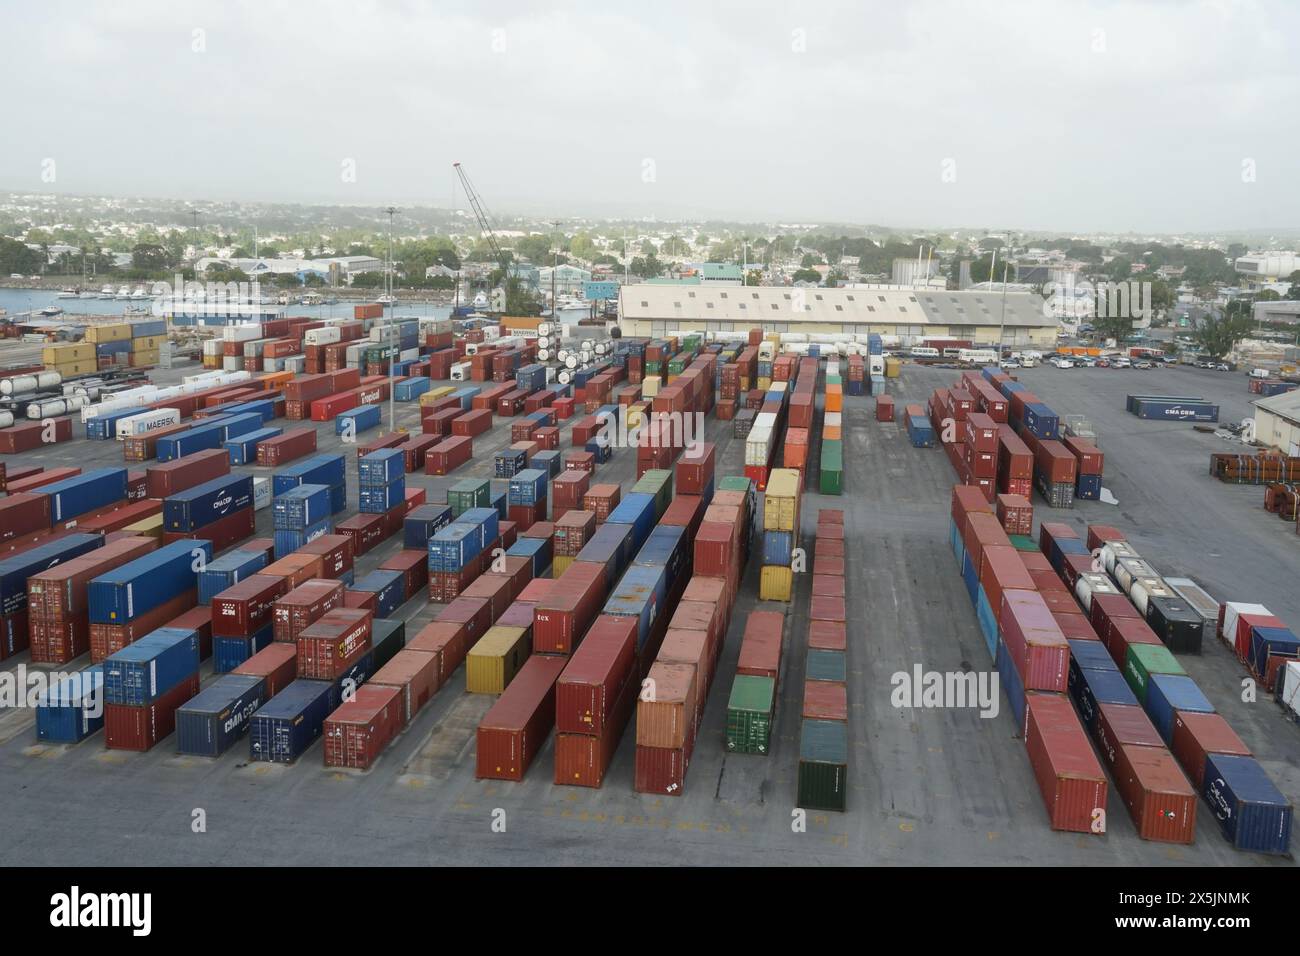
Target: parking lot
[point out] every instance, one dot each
(926, 786)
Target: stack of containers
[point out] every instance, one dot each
(457, 552)
(220, 511)
(919, 431)
(823, 738)
(1033, 656)
(328, 470)
(1089, 467)
(780, 535)
(527, 497)
(751, 707)
(145, 684)
(14, 572)
(301, 514)
(243, 619)
(139, 597)
(381, 479)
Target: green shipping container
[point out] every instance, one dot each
(833, 380)
(823, 765)
(659, 483)
(735, 483)
(652, 368)
(1022, 542)
(832, 468)
(749, 714)
(469, 493)
(826, 665)
(1142, 661)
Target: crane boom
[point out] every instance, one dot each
(484, 224)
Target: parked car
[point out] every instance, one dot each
(1103, 363)
(1223, 367)
(1063, 363)
(1144, 364)
(1010, 363)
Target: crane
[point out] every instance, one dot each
(516, 300)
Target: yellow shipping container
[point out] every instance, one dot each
(65, 354)
(745, 384)
(775, 583)
(781, 501)
(892, 366)
(650, 386)
(433, 394)
(764, 382)
(151, 527)
(495, 660)
(140, 359)
(75, 368)
(120, 332)
(145, 342)
(559, 564)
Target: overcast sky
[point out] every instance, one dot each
(1082, 115)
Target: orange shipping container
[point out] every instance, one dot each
(832, 432)
(795, 448)
(834, 398)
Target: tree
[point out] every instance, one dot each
(1217, 335)
(646, 267)
(535, 248)
(149, 257)
(806, 275)
(583, 247)
(809, 260)
(1292, 293)
(218, 272)
(648, 249)
(754, 277)
(16, 257)
(605, 259)
(368, 280)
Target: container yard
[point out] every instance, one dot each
(330, 628)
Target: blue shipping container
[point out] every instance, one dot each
(229, 652)
(120, 595)
(1041, 422)
(1009, 678)
(300, 508)
(72, 709)
(228, 570)
(83, 493)
(1093, 687)
(241, 424)
(422, 523)
(317, 470)
(507, 462)
(194, 508)
(499, 502)
(1252, 812)
(286, 725)
(455, 546)
(528, 487)
(198, 438)
(988, 623)
(640, 594)
(1167, 693)
(547, 461)
(243, 448)
(610, 546)
(359, 419)
(145, 670)
(1088, 487)
(287, 542)
(1091, 655)
(262, 406)
(15, 570)
(389, 588)
(1268, 641)
(208, 724)
(638, 510)
(381, 467)
(778, 547)
(409, 389)
(377, 499)
(667, 548)
(537, 550)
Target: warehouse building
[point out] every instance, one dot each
(1277, 422)
(910, 314)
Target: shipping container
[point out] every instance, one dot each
(515, 729)
(1252, 813)
(216, 718)
(1069, 778)
(140, 728)
(286, 725)
(357, 732)
(823, 765)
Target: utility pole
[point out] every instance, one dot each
(555, 265)
(388, 274)
(1002, 324)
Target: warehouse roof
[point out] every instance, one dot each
(1286, 405)
(869, 306)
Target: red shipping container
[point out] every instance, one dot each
(246, 607)
(473, 616)
(139, 728)
(516, 727)
(580, 461)
(561, 618)
(1075, 627)
(1003, 570)
(414, 674)
(1057, 462)
(1123, 725)
(328, 647)
(661, 770)
(715, 550)
(1069, 778)
(1100, 534)
(601, 499)
(414, 449)
(365, 530)
(1126, 631)
(22, 514)
(1196, 735)
(760, 648)
(336, 554)
(446, 642)
(1090, 458)
(1158, 796)
(223, 532)
(582, 760)
(448, 455)
(175, 476)
(27, 436)
(472, 423)
(359, 730)
(496, 590)
(825, 700)
(1106, 608)
(277, 664)
(1016, 514)
(1034, 641)
(302, 606)
(827, 635)
(107, 639)
(695, 469)
(199, 620)
(284, 448)
(414, 565)
(826, 609)
(590, 684)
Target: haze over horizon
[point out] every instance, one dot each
(1045, 116)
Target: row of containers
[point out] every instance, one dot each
(135, 344)
(824, 728)
(1000, 437)
(1259, 468)
(1077, 658)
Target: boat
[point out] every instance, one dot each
(68, 293)
(569, 303)
(51, 311)
(139, 293)
(480, 301)
(387, 300)
(311, 298)
(87, 294)
(123, 292)
(106, 292)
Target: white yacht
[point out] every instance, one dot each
(123, 292)
(480, 301)
(68, 293)
(106, 292)
(571, 303)
(139, 293)
(387, 300)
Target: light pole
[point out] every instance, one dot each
(388, 277)
(1002, 324)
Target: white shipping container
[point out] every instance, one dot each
(765, 420)
(147, 422)
(242, 332)
(1128, 570)
(491, 333)
(326, 336)
(408, 355)
(1234, 609)
(460, 372)
(1289, 694)
(261, 493)
(131, 398)
(295, 363)
(232, 363)
(1113, 551)
(758, 446)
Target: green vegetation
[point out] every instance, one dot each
(16, 257)
(1217, 334)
